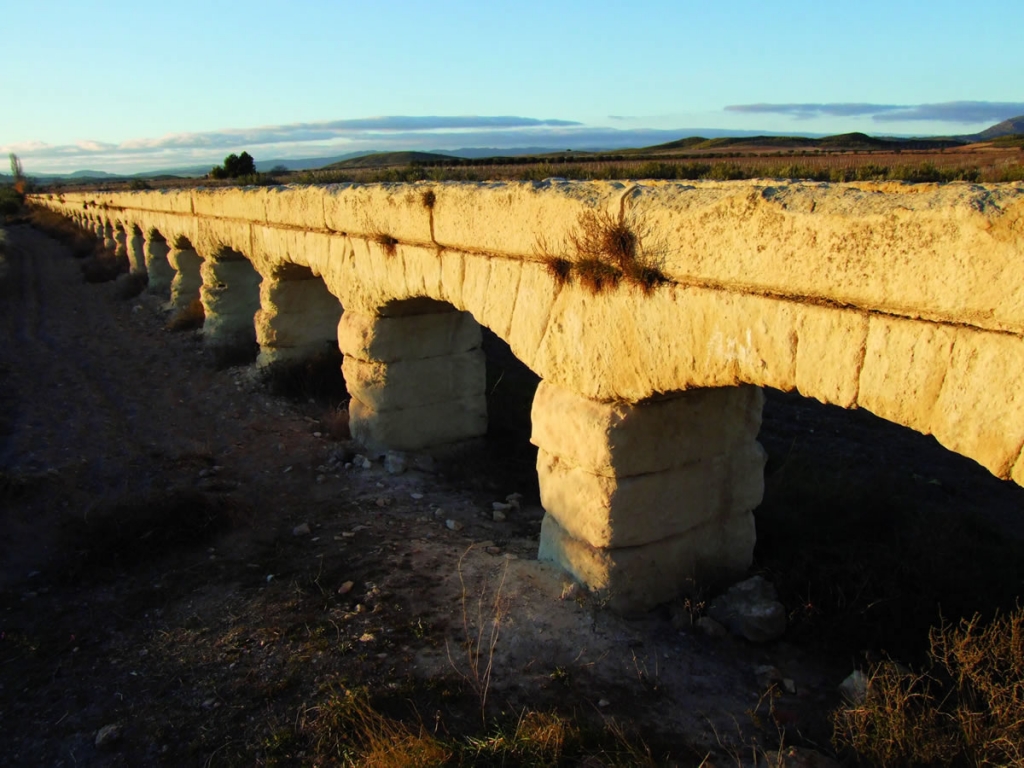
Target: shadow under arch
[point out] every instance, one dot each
(873, 532)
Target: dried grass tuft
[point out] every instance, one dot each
(601, 252)
(968, 708)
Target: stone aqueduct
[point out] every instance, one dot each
(905, 300)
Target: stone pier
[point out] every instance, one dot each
(136, 253)
(230, 294)
(120, 243)
(416, 375)
(109, 243)
(643, 499)
(187, 280)
(298, 316)
(161, 273)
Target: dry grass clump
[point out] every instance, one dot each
(388, 243)
(345, 729)
(968, 709)
(188, 318)
(596, 275)
(539, 738)
(559, 268)
(603, 251)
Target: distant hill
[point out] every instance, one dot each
(92, 175)
(1009, 127)
(840, 142)
(381, 159)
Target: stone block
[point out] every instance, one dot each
(629, 511)
(414, 383)
(635, 579)
(416, 337)
(419, 428)
(621, 439)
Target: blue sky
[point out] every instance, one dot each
(128, 86)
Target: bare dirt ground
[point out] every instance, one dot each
(156, 574)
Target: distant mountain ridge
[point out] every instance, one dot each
(1005, 128)
(713, 139)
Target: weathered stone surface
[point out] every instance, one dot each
(231, 298)
(390, 339)
(158, 268)
(136, 256)
(295, 320)
(418, 428)
(638, 578)
(187, 279)
(414, 383)
(619, 439)
(628, 511)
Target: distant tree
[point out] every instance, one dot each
(234, 166)
(16, 172)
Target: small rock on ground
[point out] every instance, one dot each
(751, 609)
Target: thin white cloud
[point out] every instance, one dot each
(958, 112)
(284, 140)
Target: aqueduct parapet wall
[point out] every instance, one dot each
(906, 300)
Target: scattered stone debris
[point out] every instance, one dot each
(453, 525)
(751, 609)
(302, 529)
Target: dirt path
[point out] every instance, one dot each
(156, 573)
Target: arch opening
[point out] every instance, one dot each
(161, 274)
(187, 308)
(873, 533)
(135, 243)
(297, 333)
(230, 295)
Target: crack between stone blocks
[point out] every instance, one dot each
(564, 462)
(515, 303)
(547, 320)
(862, 355)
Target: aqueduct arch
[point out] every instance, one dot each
(906, 300)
